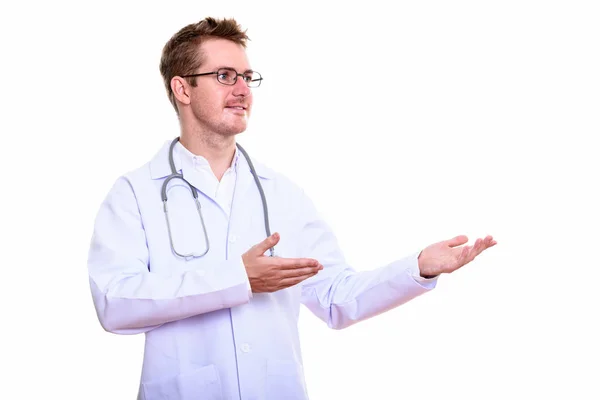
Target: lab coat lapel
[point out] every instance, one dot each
(247, 216)
(246, 185)
(245, 210)
(244, 180)
(159, 165)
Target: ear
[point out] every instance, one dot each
(180, 89)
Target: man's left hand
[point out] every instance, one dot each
(448, 256)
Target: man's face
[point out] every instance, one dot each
(216, 107)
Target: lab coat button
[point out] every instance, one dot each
(246, 348)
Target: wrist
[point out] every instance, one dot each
(422, 273)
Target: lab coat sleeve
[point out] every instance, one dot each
(341, 296)
(128, 297)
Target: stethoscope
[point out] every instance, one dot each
(176, 175)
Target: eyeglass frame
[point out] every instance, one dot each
(236, 76)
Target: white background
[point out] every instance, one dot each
(406, 125)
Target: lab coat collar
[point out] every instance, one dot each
(159, 165)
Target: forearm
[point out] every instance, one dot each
(348, 297)
(129, 304)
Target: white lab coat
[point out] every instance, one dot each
(207, 336)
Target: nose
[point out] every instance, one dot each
(240, 88)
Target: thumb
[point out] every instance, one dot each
(259, 248)
(457, 241)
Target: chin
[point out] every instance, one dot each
(230, 132)
(237, 128)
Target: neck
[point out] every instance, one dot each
(217, 149)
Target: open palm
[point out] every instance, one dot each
(449, 255)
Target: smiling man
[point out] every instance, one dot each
(182, 249)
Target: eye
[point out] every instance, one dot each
(226, 76)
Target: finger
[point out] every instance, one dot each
(457, 241)
(298, 272)
(478, 247)
(463, 257)
(288, 282)
(475, 251)
(490, 241)
(293, 263)
(469, 253)
(260, 248)
(487, 243)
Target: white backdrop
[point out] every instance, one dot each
(462, 117)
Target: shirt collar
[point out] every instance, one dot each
(193, 159)
(159, 165)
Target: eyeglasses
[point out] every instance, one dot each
(228, 76)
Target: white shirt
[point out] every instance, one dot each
(222, 191)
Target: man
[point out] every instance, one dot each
(219, 302)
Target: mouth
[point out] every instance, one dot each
(237, 109)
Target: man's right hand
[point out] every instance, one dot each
(269, 274)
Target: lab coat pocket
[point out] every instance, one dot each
(202, 383)
(285, 380)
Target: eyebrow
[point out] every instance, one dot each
(228, 67)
